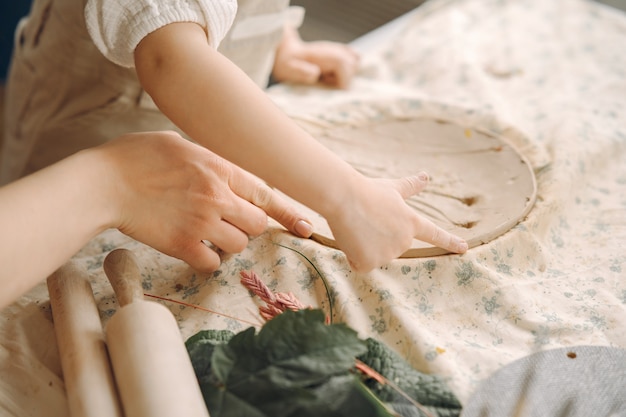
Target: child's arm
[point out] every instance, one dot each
(221, 108)
(156, 187)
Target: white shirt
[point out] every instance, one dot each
(117, 26)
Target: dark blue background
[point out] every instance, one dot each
(10, 13)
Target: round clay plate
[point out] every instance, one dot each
(480, 186)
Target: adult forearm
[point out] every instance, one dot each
(46, 218)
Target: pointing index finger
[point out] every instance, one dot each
(429, 232)
(257, 192)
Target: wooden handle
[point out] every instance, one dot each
(122, 270)
(87, 373)
(151, 365)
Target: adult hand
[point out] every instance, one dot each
(376, 225)
(172, 194)
(331, 63)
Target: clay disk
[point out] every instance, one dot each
(480, 186)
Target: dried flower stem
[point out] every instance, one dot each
(197, 307)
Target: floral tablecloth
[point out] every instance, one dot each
(547, 76)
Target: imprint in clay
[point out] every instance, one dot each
(480, 186)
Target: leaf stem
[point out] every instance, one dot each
(323, 278)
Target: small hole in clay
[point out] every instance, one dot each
(469, 201)
(571, 355)
(468, 225)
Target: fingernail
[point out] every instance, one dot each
(461, 246)
(423, 176)
(303, 228)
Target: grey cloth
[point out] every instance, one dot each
(587, 381)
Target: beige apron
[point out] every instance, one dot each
(63, 95)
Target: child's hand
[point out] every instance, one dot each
(376, 225)
(331, 63)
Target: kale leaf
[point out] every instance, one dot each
(295, 366)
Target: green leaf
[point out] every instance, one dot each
(295, 366)
(430, 391)
(201, 347)
(295, 349)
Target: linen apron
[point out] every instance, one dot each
(63, 95)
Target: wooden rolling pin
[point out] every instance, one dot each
(151, 365)
(87, 373)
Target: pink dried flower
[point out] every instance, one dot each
(289, 301)
(251, 281)
(276, 303)
(269, 312)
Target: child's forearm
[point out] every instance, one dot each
(218, 106)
